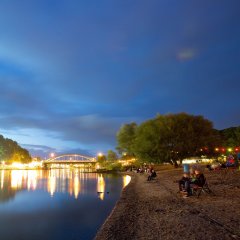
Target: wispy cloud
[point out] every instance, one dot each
(186, 54)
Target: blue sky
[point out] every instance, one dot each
(72, 72)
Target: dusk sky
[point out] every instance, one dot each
(72, 72)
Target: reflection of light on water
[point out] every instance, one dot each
(71, 182)
(70, 185)
(24, 179)
(100, 186)
(32, 179)
(51, 183)
(76, 186)
(64, 181)
(2, 178)
(16, 178)
(126, 180)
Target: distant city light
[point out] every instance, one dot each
(17, 165)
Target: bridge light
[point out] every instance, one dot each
(52, 155)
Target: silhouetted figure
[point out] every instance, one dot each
(152, 175)
(184, 184)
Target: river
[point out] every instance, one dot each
(56, 204)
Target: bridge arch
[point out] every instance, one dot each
(71, 158)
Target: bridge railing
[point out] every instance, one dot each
(71, 158)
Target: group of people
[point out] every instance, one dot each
(149, 170)
(190, 181)
(151, 174)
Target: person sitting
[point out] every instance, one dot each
(184, 184)
(152, 175)
(198, 179)
(209, 167)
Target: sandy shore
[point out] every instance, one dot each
(154, 210)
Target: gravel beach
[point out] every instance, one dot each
(155, 209)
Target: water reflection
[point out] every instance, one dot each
(51, 185)
(56, 204)
(76, 188)
(126, 180)
(101, 187)
(68, 181)
(61, 180)
(2, 178)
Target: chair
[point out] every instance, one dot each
(197, 190)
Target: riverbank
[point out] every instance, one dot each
(154, 210)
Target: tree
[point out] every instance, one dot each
(10, 151)
(230, 136)
(126, 138)
(1, 152)
(112, 156)
(101, 158)
(151, 141)
(174, 137)
(190, 134)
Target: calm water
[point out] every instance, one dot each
(55, 204)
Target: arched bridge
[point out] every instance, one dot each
(70, 159)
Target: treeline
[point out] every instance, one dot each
(230, 137)
(10, 151)
(173, 137)
(111, 156)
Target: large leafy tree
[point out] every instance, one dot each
(174, 137)
(190, 135)
(150, 141)
(126, 138)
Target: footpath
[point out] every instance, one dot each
(154, 210)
